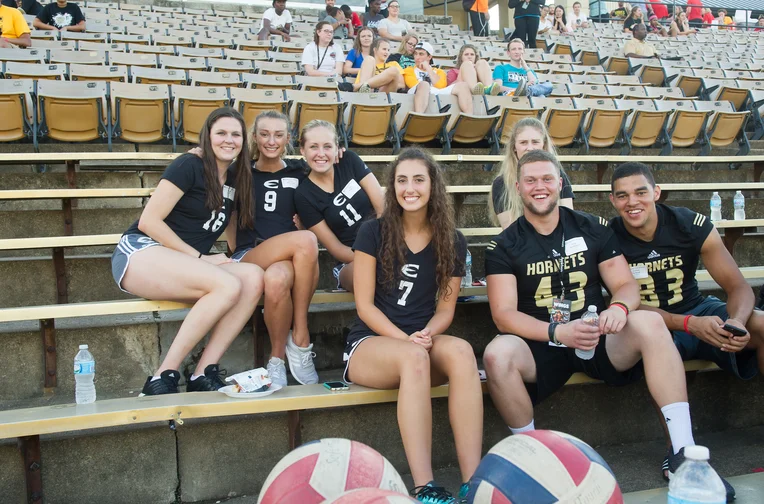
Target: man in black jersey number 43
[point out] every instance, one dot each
(553, 259)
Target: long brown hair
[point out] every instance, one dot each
(357, 43)
(320, 25)
(461, 53)
(243, 199)
(440, 215)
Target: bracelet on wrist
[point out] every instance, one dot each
(550, 332)
(622, 306)
(200, 255)
(686, 321)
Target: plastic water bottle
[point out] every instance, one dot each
(84, 373)
(716, 207)
(739, 203)
(590, 317)
(696, 482)
(467, 279)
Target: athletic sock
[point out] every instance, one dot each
(528, 428)
(155, 378)
(194, 377)
(677, 416)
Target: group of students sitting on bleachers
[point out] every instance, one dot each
(401, 255)
(59, 15)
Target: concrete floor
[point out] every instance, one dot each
(734, 454)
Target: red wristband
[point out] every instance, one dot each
(687, 319)
(621, 306)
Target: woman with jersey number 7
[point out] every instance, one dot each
(408, 268)
(165, 254)
(337, 197)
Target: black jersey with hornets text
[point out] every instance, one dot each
(274, 203)
(665, 267)
(345, 208)
(534, 260)
(190, 219)
(411, 303)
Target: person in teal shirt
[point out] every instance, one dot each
(518, 76)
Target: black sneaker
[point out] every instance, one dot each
(433, 494)
(210, 382)
(676, 459)
(166, 384)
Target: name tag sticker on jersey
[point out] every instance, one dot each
(290, 182)
(228, 192)
(351, 188)
(639, 271)
(575, 245)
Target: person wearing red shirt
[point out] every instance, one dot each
(659, 9)
(695, 13)
(708, 17)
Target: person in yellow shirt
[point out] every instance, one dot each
(14, 30)
(423, 80)
(637, 47)
(376, 73)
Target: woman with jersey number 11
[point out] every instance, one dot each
(408, 269)
(165, 254)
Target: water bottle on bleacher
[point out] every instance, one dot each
(590, 317)
(696, 482)
(739, 202)
(716, 207)
(467, 278)
(84, 373)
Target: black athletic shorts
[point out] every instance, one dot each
(555, 366)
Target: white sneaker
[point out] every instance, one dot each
(277, 371)
(301, 362)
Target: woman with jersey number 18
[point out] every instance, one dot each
(165, 254)
(409, 265)
(337, 197)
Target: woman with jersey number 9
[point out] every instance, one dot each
(336, 198)
(164, 254)
(409, 265)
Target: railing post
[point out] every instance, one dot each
(48, 335)
(29, 447)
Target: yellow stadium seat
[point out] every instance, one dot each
(97, 73)
(250, 102)
(304, 106)
(34, 71)
(259, 81)
(141, 112)
(17, 110)
(191, 107)
(562, 119)
(370, 119)
(418, 127)
(143, 75)
(73, 111)
(645, 125)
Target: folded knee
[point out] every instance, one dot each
(499, 354)
(277, 282)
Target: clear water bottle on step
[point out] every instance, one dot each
(590, 317)
(84, 373)
(696, 482)
(739, 202)
(716, 207)
(467, 279)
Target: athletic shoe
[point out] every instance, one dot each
(277, 371)
(166, 384)
(365, 88)
(463, 491)
(493, 90)
(676, 459)
(432, 494)
(522, 87)
(301, 362)
(210, 382)
(479, 89)
(665, 465)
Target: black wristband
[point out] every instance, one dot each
(200, 255)
(550, 332)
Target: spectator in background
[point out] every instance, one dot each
(377, 74)
(721, 21)
(405, 55)
(517, 76)
(679, 25)
(322, 12)
(340, 25)
(14, 30)
(373, 17)
(60, 15)
(355, 20)
(695, 13)
(473, 70)
(545, 22)
(560, 21)
(393, 27)
(322, 57)
(578, 19)
(28, 7)
(635, 17)
(760, 24)
(527, 13)
(708, 17)
(276, 21)
(637, 47)
(659, 9)
(423, 80)
(479, 18)
(620, 12)
(656, 27)
(360, 49)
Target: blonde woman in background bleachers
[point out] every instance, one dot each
(322, 57)
(166, 253)
(360, 50)
(338, 196)
(405, 55)
(377, 73)
(474, 71)
(504, 202)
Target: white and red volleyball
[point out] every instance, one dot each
(322, 470)
(371, 496)
(543, 467)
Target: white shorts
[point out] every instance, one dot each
(434, 90)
